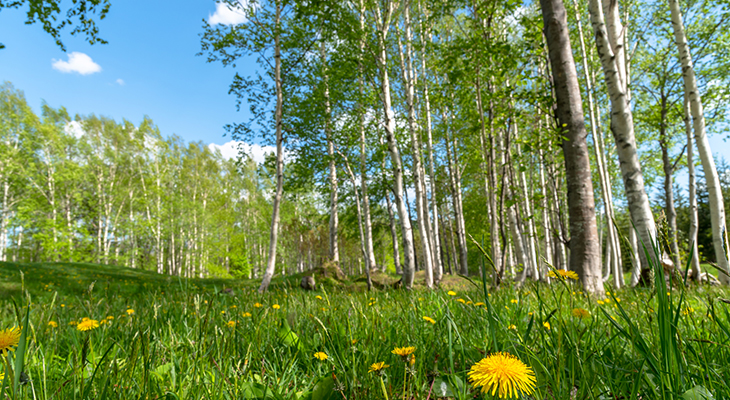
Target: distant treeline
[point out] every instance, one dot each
(90, 189)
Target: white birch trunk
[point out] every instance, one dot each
(334, 219)
(693, 225)
(409, 268)
(418, 171)
(274, 235)
(720, 240)
(623, 131)
(369, 252)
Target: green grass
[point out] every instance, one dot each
(178, 345)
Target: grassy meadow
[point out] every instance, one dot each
(166, 338)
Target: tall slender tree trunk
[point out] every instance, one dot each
(418, 171)
(489, 186)
(584, 247)
(369, 265)
(394, 236)
(274, 235)
(622, 126)
(369, 252)
(693, 225)
(613, 259)
(435, 238)
(668, 168)
(720, 240)
(455, 181)
(409, 268)
(334, 220)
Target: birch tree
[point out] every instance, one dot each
(720, 240)
(584, 246)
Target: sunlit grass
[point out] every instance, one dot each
(188, 339)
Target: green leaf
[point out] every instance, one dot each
(288, 337)
(698, 393)
(325, 389)
(258, 391)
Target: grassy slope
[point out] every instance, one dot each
(179, 340)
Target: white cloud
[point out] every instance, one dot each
(230, 150)
(121, 82)
(74, 128)
(77, 62)
(224, 15)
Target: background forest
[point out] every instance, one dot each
(470, 97)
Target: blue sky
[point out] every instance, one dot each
(148, 68)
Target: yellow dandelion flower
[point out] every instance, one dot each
(514, 301)
(451, 293)
(600, 302)
(9, 339)
(130, 311)
(581, 313)
(223, 312)
(607, 301)
(404, 351)
(53, 324)
(257, 305)
(429, 319)
(318, 297)
(461, 301)
(608, 293)
(503, 372)
(468, 302)
(72, 323)
(246, 315)
(378, 366)
(231, 324)
(276, 306)
(111, 317)
(546, 325)
(87, 325)
(512, 327)
(412, 360)
(234, 306)
(353, 341)
(320, 356)
(479, 304)
(563, 274)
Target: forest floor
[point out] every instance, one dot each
(98, 331)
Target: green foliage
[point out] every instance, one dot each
(48, 13)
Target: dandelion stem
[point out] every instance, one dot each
(382, 386)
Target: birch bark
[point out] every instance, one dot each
(409, 268)
(274, 233)
(334, 220)
(693, 225)
(584, 246)
(622, 126)
(720, 240)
